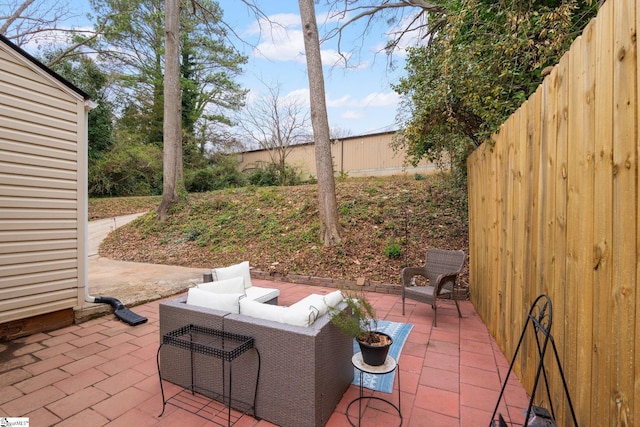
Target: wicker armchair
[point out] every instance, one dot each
(441, 269)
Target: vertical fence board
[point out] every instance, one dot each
(584, 257)
(624, 203)
(525, 232)
(548, 186)
(532, 221)
(519, 303)
(473, 167)
(576, 131)
(483, 255)
(516, 215)
(500, 153)
(560, 243)
(478, 244)
(507, 223)
(601, 402)
(538, 200)
(636, 396)
(494, 234)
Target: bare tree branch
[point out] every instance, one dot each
(252, 7)
(11, 19)
(29, 19)
(276, 125)
(75, 46)
(349, 13)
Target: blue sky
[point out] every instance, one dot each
(359, 97)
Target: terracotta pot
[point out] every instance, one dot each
(375, 354)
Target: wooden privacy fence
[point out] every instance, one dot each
(553, 208)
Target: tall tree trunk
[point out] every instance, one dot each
(172, 128)
(328, 207)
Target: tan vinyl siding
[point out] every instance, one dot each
(41, 193)
(366, 155)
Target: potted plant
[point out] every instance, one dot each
(359, 321)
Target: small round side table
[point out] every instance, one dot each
(388, 366)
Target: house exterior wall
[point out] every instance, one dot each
(42, 191)
(366, 155)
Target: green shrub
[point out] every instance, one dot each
(126, 170)
(270, 174)
(393, 250)
(263, 176)
(223, 174)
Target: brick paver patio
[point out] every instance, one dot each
(103, 372)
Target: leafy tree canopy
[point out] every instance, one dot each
(483, 62)
(133, 48)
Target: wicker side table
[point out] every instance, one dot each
(388, 366)
(214, 343)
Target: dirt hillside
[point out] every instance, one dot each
(387, 224)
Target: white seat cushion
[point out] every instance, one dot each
(256, 293)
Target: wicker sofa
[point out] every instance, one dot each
(304, 370)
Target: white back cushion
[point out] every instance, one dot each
(313, 302)
(261, 311)
(236, 270)
(225, 302)
(333, 299)
(300, 315)
(227, 286)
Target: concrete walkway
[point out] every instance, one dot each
(130, 282)
(100, 229)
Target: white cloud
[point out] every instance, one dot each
(298, 95)
(375, 99)
(378, 99)
(252, 97)
(283, 40)
(343, 101)
(284, 48)
(255, 96)
(353, 115)
(332, 58)
(274, 22)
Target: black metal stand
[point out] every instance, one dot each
(214, 343)
(540, 318)
(389, 365)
